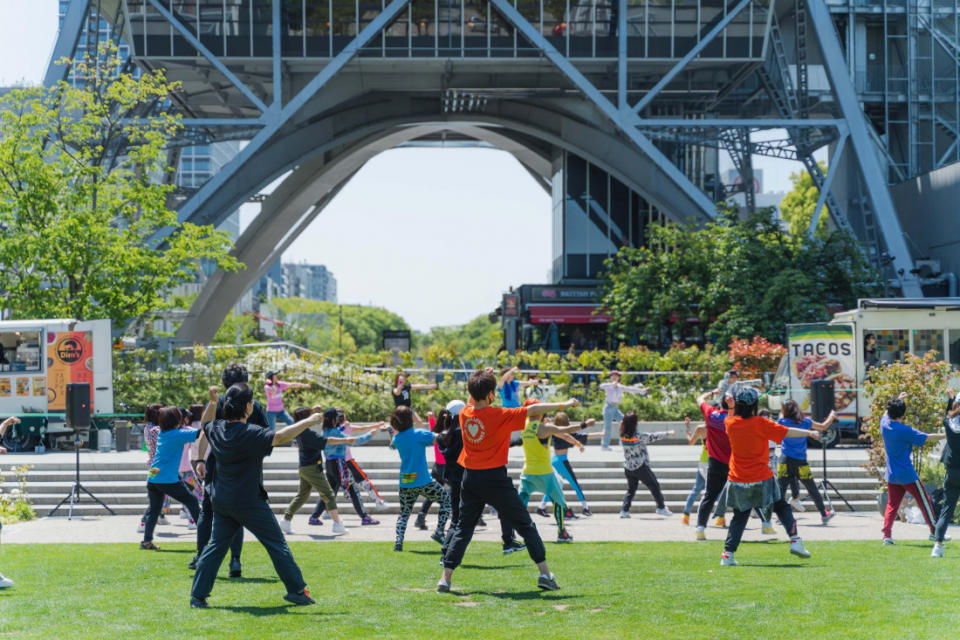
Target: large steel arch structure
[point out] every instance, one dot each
(646, 91)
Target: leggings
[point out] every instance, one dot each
(562, 466)
(362, 480)
(156, 492)
(408, 498)
(339, 476)
(791, 469)
(438, 472)
(645, 475)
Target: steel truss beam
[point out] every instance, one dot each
(67, 41)
(825, 187)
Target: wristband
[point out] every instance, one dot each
(198, 461)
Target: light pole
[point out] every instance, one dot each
(340, 332)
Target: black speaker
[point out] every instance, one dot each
(821, 399)
(78, 405)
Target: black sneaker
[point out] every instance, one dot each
(548, 583)
(398, 546)
(542, 512)
(236, 571)
(513, 545)
(199, 603)
(587, 512)
(570, 515)
(437, 537)
(193, 563)
(421, 522)
(481, 522)
(301, 599)
(564, 536)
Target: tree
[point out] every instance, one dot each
(316, 324)
(477, 335)
(798, 205)
(81, 198)
(739, 277)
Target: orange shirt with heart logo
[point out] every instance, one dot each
(486, 435)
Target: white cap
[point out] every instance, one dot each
(454, 407)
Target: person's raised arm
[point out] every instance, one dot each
(536, 410)
(793, 432)
(703, 397)
(548, 429)
(634, 389)
(288, 433)
(210, 411)
(502, 378)
(823, 426)
(528, 383)
(424, 387)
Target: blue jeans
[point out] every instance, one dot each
(611, 413)
(698, 484)
(273, 415)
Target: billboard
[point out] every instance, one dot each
(69, 359)
(823, 351)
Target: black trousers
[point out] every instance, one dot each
(790, 470)
(645, 475)
(494, 487)
(716, 478)
(205, 527)
(335, 468)
(156, 492)
(951, 486)
(259, 519)
(740, 518)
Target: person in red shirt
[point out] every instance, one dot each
(718, 452)
(486, 442)
(752, 484)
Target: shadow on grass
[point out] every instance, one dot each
(418, 552)
(482, 567)
(251, 580)
(261, 612)
(535, 594)
(176, 551)
(775, 565)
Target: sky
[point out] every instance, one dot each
(435, 235)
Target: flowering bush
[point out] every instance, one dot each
(15, 503)
(753, 358)
(924, 380)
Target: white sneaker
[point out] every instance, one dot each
(946, 538)
(5, 582)
(380, 505)
(937, 551)
(183, 514)
(795, 504)
(191, 526)
(726, 560)
(163, 520)
(624, 514)
(326, 515)
(286, 526)
(339, 528)
(664, 512)
(888, 541)
(141, 527)
(797, 548)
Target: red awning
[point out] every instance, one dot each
(566, 314)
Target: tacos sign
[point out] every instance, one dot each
(823, 351)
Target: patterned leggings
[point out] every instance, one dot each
(408, 499)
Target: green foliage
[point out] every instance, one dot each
(740, 278)
(798, 205)
(15, 505)
(316, 325)
(924, 380)
(479, 338)
(81, 200)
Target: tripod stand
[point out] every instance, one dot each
(74, 495)
(825, 485)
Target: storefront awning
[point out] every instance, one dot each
(566, 314)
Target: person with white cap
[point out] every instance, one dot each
(613, 394)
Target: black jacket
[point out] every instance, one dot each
(951, 451)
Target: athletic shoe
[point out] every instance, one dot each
(564, 536)
(664, 512)
(888, 541)
(5, 582)
(587, 512)
(481, 522)
(286, 526)
(726, 560)
(365, 520)
(326, 515)
(148, 546)
(797, 548)
(398, 546)
(721, 522)
(513, 545)
(437, 537)
(193, 563)
(795, 505)
(946, 538)
(701, 534)
(315, 521)
(339, 528)
(604, 448)
(421, 522)
(685, 520)
(183, 514)
(199, 603)
(443, 587)
(568, 514)
(141, 527)
(163, 520)
(236, 570)
(380, 505)
(542, 512)
(825, 518)
(191, 526)
(548, 583)
(768, 529)
(300, 599)
(937, 551)
(624, 514)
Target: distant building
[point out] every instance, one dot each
(310, 281)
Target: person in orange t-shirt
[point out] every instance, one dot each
(486, 442)
(751, 481)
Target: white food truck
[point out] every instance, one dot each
(837, 351)
(38, 358)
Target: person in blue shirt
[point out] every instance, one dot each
(509, 388)
(415, 478)
(898, 443)
(793, 463)
(337, 470)
(164, 476)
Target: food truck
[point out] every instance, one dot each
(837, 351)
(38, 358)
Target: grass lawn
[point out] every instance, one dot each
(609, 590)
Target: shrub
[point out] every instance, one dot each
(15, 505)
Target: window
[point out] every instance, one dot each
(892, 344)
(926, 339)
(20, 351)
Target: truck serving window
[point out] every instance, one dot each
(20, 351)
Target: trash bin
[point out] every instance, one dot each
(104, 440)
(121, 431)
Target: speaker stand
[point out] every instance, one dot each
(74, 495)
(826, 486)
